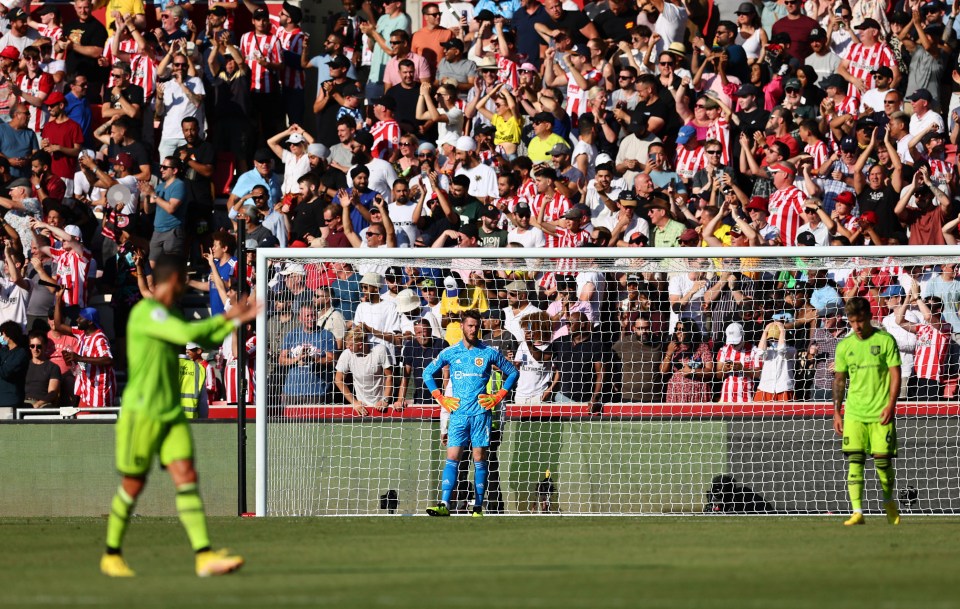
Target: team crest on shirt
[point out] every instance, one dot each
(874, 349)
(478, 362)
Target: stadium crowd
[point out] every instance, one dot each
(497, 124)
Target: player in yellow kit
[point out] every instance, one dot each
(870, 359)
(152, 422)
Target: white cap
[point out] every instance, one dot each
(293, 269)
(734, 334)
(373, 279)
(318, 150)
(466, 143)
(192, 346)
(74, 231)
(406, 301)
(295, 138)
(602, 158)
(9, 4)
(448, 138)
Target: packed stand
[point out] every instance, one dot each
(146, 130)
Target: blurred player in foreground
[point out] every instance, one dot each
(152, 422)
(871, 360)
(470, 364)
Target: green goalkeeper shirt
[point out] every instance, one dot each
(867, 364)
(155, 338)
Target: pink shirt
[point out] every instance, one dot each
(391, 76)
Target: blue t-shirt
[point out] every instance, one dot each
(470, 370)
(346, 295)
(307, 378)
(164, 221)
(248, 180)
(18, 144)
(225, 271)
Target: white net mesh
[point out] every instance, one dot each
(646, 386)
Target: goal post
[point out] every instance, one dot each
(651, 380)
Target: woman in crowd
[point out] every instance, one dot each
(689, 361)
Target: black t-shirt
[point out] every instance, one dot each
(38, 379)
(576, 364)
(327, 119)
(198, 187)
(528, 40)
(134, 95)
(882, 202)
(136, 149)
(573, 21)
(86, 33)
(307, 219)
(750, 122)
(418, 356)
(406, 105)
(665, 108)
(231, 98)
(615, 26)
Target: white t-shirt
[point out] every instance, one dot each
(680, 284)
(13, 302)
(530, 238)
(406, 322)
(535, 377)
(584, 278)
(511, 320)
(918, 125)
(906, 341)
(873, 99)
(820, 234)
(382, 316)
(453, 125)
(293, 170)
(402, 218)
(670, 25)
(483, 181)
(382, 177)
(332, 321)
(776, 373)
(588, 149)
(367, 371)
(178, 107)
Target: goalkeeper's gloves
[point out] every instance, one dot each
(489, 401)
(449, 403)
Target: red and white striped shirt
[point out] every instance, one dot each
(95, 385)
(941, 173)
(128, 46)
(689, 162)
(556, 207)
(528, 191)
(507, 72)
(253, 46)
(291, 42)
(819, 151)
(41, 83)
(230, 375)
(864, 60)
(786, 207)
(144, 75)
(849, 105)
(720, 130)
(577, 97)
(72, 275)
(386, 138)
(567, 238)
(54, 32)
(930, 353)
(737, 386)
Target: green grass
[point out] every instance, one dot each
(709, 562)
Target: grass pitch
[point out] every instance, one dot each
(709, 562)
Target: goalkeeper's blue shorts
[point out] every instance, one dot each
(472, 430)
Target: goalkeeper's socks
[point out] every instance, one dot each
(120, 510)
(449, 480)
(192, 517)
(855, 481)
(887, 475)
(479, 481)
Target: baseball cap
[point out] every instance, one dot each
(450, 285)
(759, 204)
(387, 102)
(870, 217)
(834, 80)
(846, 197)
(263, 155)
(294, 269)
(251, 244)
(893, 290)
(686, 132)
(74, 231)
(920, 94)
(490, 212)
(848, 144)
(295, 138)
(522, 209)
(55, 97)
(748, 89)
(542, 117)
(16, 14)
(90, 314)
(633, 279)
(219, 11)
(10, 52)
(690, 235)
(817, 33)
(806, 238)
(453, 43)
(602, 158)
(260, 13)
(516, 286)
(792, 83)
(428, 283)
(883, 71)
(559, 149)
(867, 23)
(192, 346)
(465, 143)
(580, 49)
(125, 159)
(734, 334)
(574, 213)
(339, 62)
(627, 199)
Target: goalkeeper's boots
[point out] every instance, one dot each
(477, 512)
(217, 563)
(440, 509)
(892, 510)
(856, 518)
(115, 566)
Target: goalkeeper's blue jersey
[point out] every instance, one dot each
(470, 369)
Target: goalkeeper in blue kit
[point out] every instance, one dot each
(470, 363)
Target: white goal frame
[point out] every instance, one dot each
(265, 255)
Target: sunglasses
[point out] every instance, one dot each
(714, 152)
(369, 234)
(262, 198)
(162, 167)
(179, 65)
(36, 346)
(666, 63)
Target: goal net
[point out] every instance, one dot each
(650, 381)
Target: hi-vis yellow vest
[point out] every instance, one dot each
(193, 378)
